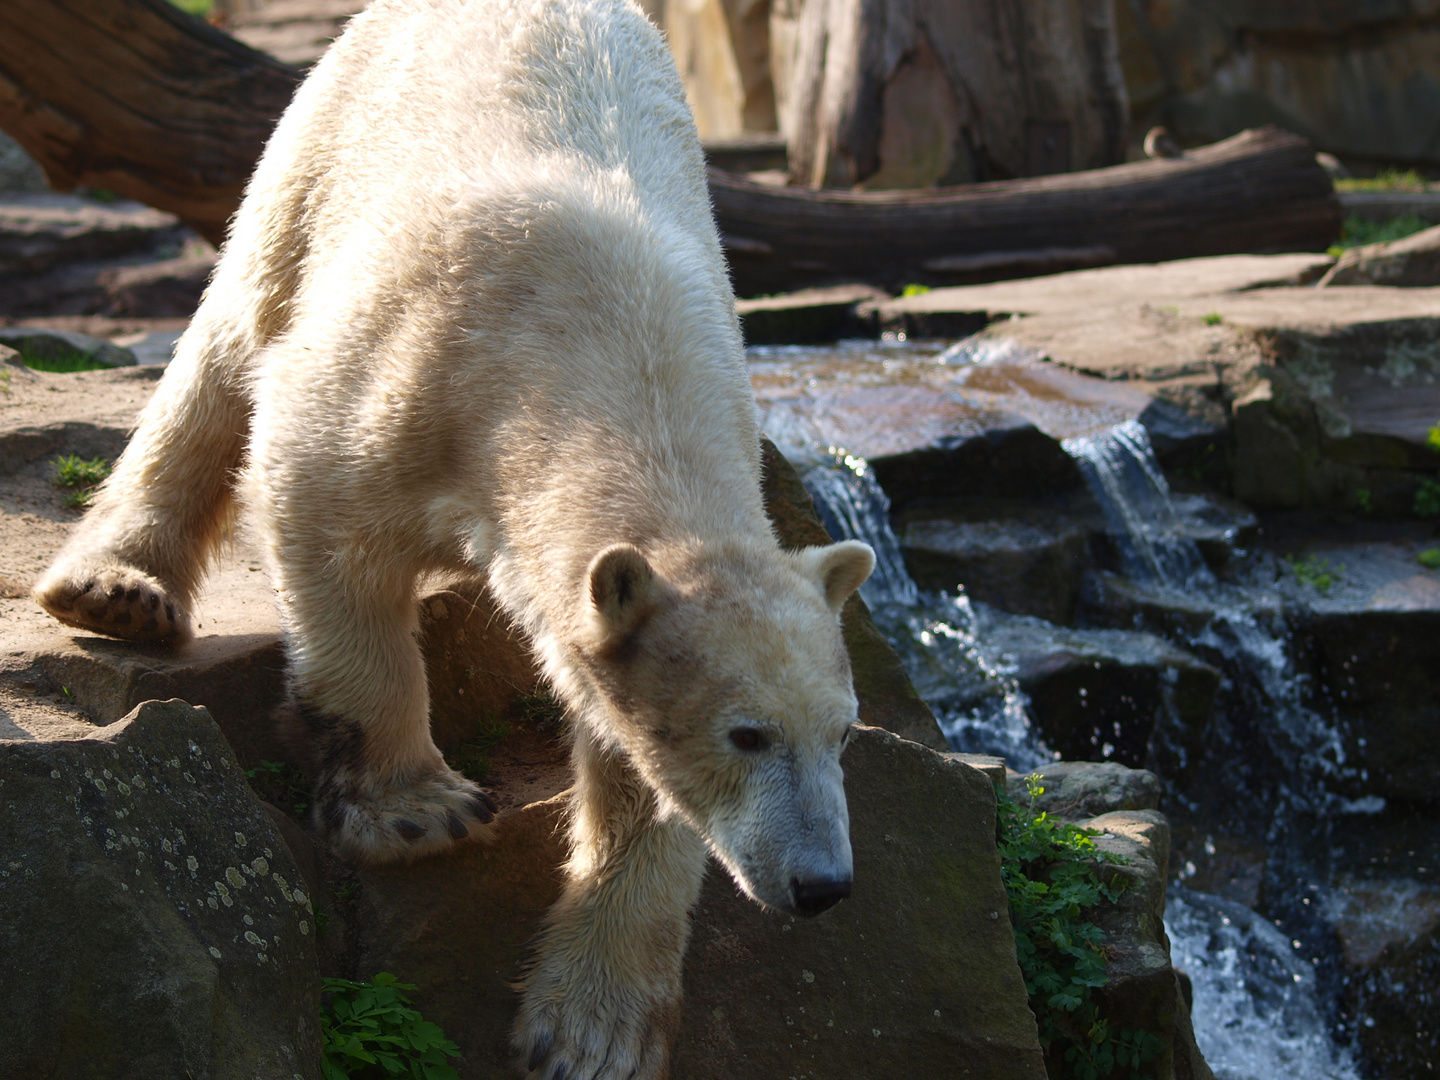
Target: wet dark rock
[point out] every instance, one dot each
(152, 919)
(1076, 790)
(1368, 643)
(1389, 932)
(1103, 695)
(1012, 555)
(60, 345)
(1220, 528)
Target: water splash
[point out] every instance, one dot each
(1256, 1014)
(978, 705)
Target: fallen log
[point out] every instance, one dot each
(1258, 192)
(139, 98)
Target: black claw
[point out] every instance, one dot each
(116, 592)
(133, 593)
(408, 829)
(483, 807)
(456, 828)
(152, 601)
(541, 1051)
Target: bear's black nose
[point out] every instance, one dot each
(815, 896)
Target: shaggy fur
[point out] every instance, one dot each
(473, 315)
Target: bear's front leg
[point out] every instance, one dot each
(381, 792)
(602, 999)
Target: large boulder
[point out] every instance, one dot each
(914, 975)
(152, 921)
(1102, 695)
(1145, 991)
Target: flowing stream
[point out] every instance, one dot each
(1261, 1006)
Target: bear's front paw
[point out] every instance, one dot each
(599, 1027)
(373, 823)
(118, 600)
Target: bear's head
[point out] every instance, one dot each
(728, 687)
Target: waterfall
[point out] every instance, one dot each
(978, 705)
(1120, 468)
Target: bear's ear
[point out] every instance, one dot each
(623, 592)
(840, 568)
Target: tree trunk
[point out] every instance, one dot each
(136, 97)
(141, 99)
(915, 93)
(1260, 191)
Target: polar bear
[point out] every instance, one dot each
(473, 315)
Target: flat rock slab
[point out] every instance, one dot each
(39, 231)
(146, 890)
(914, 975)
(1082, 290)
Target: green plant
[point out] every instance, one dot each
(1214, 319)
(1427, 498)
(1432, 438)
(472, 757)
(372, 1030)
(1315, 571)
(915, 290)
(1387, 180)
(281, 784)
(1429, 558)
(79, 478)
(1365, 499)
(59, 360)
(1358, 231)
(1049, 871)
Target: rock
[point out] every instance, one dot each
(1010, 554)
(1304, 397)
(40, 232)
(1413, 262)
(1107, 694)
(1356, 78)
(293, 31)
(63, 345)
(19, 172)
(1145, 990)
(809, 315)
(916, 937)
(147, 890)
(168, 288)
(1077, 790)
(1367, 644)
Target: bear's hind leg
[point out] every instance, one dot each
(134, 562)
(602, 999)
(382, 792)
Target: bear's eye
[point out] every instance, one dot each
(748, 738)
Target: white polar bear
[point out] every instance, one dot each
(473, 315)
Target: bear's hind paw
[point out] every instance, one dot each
(401, 824)
(117, 600)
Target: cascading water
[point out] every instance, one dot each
(1257, 1009)
(978, 707)
(1258, 1006)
